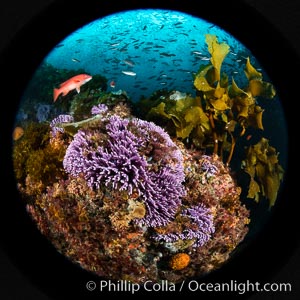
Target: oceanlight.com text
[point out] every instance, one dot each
(239, 287)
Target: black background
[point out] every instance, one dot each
(14, 14)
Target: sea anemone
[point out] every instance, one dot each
(131, 156)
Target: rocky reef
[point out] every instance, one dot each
(146, 191)
(129, 202)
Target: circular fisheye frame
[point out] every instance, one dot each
(149, 152)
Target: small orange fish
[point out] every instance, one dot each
(74, 82)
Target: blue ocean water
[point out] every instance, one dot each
(160, 49)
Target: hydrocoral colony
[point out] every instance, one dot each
(122, 162)
(56, 121)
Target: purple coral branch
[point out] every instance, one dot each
(200, 216)
(99, 109)
(58, 120)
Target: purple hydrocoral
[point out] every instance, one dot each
(99, 109)
(111, 165)
(122, 163)
(58, 120)
(200, 216)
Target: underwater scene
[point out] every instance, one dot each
(150, 145)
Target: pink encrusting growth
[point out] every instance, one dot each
(73, 83)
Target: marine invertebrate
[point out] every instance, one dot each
(118, 165)
(99, 109)
(200, 232)
(179, 261)
(57, 121)
(203, 219)
(132, 156)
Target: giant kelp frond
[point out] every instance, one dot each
(185, 114)
(204, 80)
(265, 172)
(218, 53)
(257, 87)
(251, 72)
